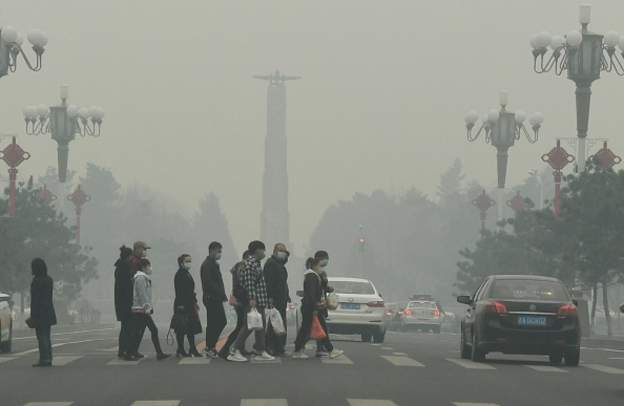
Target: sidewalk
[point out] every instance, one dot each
(615, 342)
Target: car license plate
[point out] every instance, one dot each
(532, 321)
(351, 306)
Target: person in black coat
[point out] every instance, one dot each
(123, 299)
(185, 308)
(276, 277)
(42, 314)
(214, 296)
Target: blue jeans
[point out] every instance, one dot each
(45, 344)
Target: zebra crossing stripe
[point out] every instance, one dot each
(264, 402)
(194, 361)
(49, 404)
(156, 403)
(473, 404)
(402, 361)
(370, 402)
(61, 360)
(546, 368)
(341, 360)
(605, 369)
(117, 361)
(6, 359)
(470, 365)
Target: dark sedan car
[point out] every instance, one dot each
(521, 314)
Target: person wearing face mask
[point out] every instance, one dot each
(139, 252)
(142, 310)
(276, 277)
(323, 258)
(214, 296)
(186, 308)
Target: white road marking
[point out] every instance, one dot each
(341, 360)
(470, 365)
(617, 358)
(473, 404)
(194, 361)
(69, 333)
(546, 368)
(117, 361)
(6, 359)
(402, 361)
(387, 348)
(60, 360)
(370, 402)
(156, 403)
(264, 402)
(400, 353)
(255, 360)
(49, 404)
(57, 345)
(605, 369)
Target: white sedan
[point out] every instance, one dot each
(6, 323)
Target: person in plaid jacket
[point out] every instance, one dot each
(257, 297)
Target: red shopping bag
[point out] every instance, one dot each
(317, 333)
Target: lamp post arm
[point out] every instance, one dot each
(472, 136)
(38, 65)
(531, 138)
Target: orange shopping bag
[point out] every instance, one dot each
(317, 333)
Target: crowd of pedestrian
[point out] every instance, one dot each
(259, 296)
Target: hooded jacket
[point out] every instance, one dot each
(142, 299)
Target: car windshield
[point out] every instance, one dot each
(352, 287)
(425, 305)
(528, 289)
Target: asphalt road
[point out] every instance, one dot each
(409, 369)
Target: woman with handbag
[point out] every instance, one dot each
(185, 321)
(312, 306)
(42, 314)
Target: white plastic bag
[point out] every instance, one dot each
(274, 318)
(254, 320)
(332, 301)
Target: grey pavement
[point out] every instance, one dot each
(408, 369)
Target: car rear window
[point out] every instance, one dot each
(352, 287)
(527, 289)
(425, 305)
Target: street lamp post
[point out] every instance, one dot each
(483, 202)
(583, 55)
(558, 158)
(79, 198)
(502, 129)
(63, 122)
(605, 158)
(13, 155)
(11, 47)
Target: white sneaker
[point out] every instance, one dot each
(236, 356)
(265, 356)
(336, 354)
(299, 355)
(322, 354)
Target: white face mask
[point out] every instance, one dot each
(148, 270)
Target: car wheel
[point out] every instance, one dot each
(366, 337)
(5, 346)
(463, 348)
(379, 336)
(555, 358)
(476, 354)
(572, 358)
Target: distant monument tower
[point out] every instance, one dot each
(275, 217)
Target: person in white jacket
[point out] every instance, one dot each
(142, 311)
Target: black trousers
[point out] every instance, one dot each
(303, 336)
(215, 323)
(125, 336)
(45, 343)
(141, 321)
(276, 344)
(240, 319)
(320, 345)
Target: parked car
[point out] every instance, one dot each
(521, 314)
(361, 309)
(6, 323)
(422, 315)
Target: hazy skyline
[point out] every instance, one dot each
(381, 104)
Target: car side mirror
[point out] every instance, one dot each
(575, 302)
(467, 300)
(300, 293)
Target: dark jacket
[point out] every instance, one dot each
(276, 277)
(237, 288)
(312, 291)
(123, 289)
(41, 304)
(212, 281)
(185, 297)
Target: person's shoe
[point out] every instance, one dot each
(265, 356)
(182, 354)
(42, 364)
(130, 357)
(138, 355)
(322, 354)
(236, 356)
(162, 356)
(120, 355)
(336, 354)
(195, 354)
(299, 355)
(212, 354)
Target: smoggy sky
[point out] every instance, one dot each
(385, 87)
